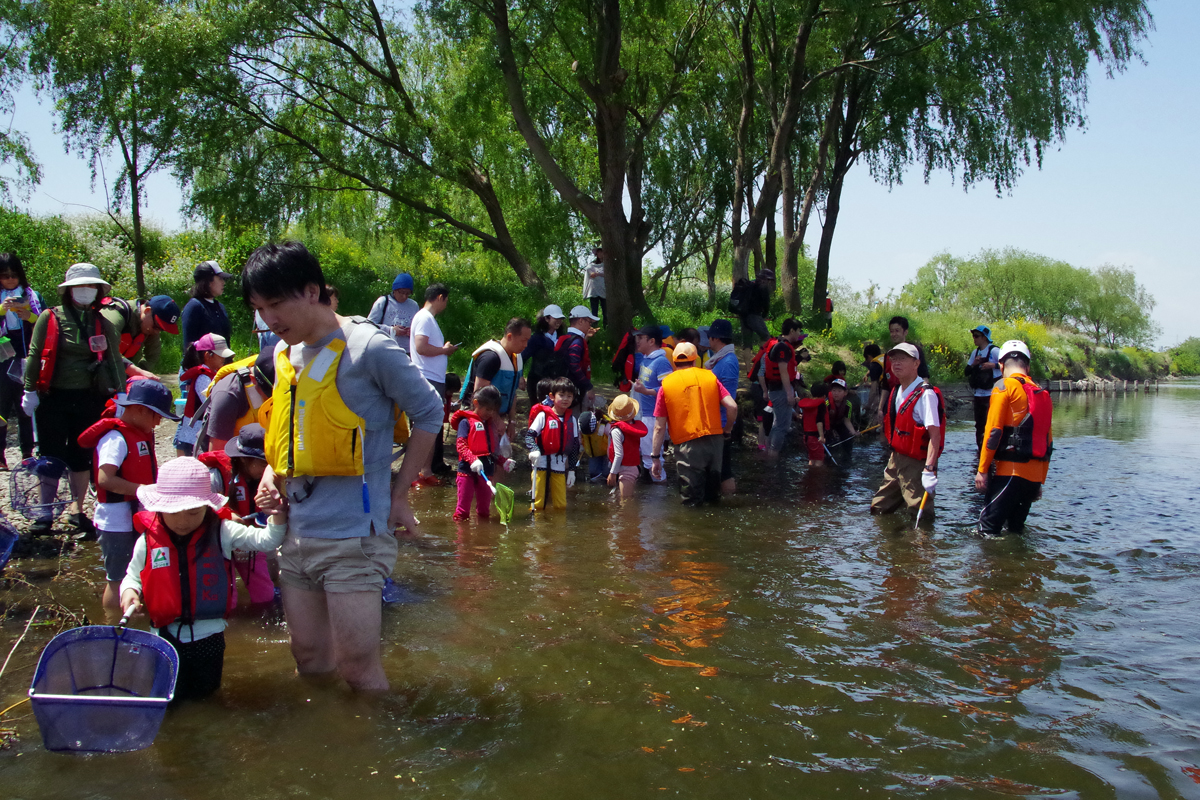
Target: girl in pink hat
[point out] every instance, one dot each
(181, 571)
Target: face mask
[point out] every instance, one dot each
(84, 296)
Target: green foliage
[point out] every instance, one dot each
(1185, 357)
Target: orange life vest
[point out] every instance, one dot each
(692, 396)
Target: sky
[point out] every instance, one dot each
(1121, 191)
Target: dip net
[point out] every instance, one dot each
(103, 689)
(39, 489)
(8, 537)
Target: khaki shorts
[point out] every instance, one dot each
(359, 564)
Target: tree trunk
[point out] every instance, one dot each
(789, 279)
(844, 157)
(139, 247)
(741, 176)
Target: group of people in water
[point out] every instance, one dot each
(289, 451)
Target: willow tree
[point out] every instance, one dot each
(310, 101)
(113, 68)
(14, 146)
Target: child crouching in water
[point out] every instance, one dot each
(181, 571)
(477, 439)
(624, 445)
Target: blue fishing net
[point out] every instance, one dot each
(103, 689)
(8, 537)
(39, 489)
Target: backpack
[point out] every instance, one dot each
(1030, 440)
(623, 361)
(981, 378)
(739, 301)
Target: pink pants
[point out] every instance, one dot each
(256, 575)
(473, 486)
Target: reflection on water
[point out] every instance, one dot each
(786, 643)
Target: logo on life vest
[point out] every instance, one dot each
(160, 557)
(143, 448)
(241, 494)
(553, 424)
(478, 426)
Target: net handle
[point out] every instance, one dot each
(124, 623)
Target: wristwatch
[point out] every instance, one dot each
(659, 456)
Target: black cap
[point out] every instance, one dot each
(653, 331)
(249, 443)
(207, 270)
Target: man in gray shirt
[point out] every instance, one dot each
(339, 546)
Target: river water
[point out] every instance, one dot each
(784, 644)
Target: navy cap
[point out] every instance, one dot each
(249, 443)
(151, 394)
(403, 281)
(721, 329)
(652, 331)
(166, 313)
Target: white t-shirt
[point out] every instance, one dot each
(593, 279)
(188, 426)
(433, 368)
(986, 354)
(114, 517)
(925, 413)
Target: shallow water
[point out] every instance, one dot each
(786, 643)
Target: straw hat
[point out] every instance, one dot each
(622, 407)
(182, 484)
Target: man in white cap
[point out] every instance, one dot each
(1018, 440)
(573, 347)
(913, 425)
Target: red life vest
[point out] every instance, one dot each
(623, 362)
(188, 381)
(235, 487)
(552, 439)
(140, 465)
(536, 409)
(771, 368)
(185, 578)
(901, 429)
(1029, 440)
(813, 411)
(632, 433)
(50, 350)
(130, 343)
(479, 439)
(585, 364)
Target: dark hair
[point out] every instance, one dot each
(191, 357)
(331, 290)
(541, 324)
(820, 390)
(838, 366)
(543, 388)
(276, 271)
(901, 321)
(656, 335)
(202, 290)
(871, 350)
(562, 385)
(11, 263)
(453, 382)
(436, 290)
(489, 397)
(689, 335)
(516, 325)
(790, 324)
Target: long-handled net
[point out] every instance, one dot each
(103, 689)
(504, 499)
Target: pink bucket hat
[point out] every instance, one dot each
(182, 484)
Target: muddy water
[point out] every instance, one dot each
(785, 644)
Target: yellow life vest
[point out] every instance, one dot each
(594, 445)
(400, 431)
(314, 432)
(693, 399)
(261, 414)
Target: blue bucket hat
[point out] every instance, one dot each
(985, 330)
(403, 281)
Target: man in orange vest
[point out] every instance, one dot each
(1018, 440)
(690, 403)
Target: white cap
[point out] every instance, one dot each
(583, 312)
(553, 311)
(1014, 347)
(909, 350)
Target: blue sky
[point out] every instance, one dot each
(1122, 191)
